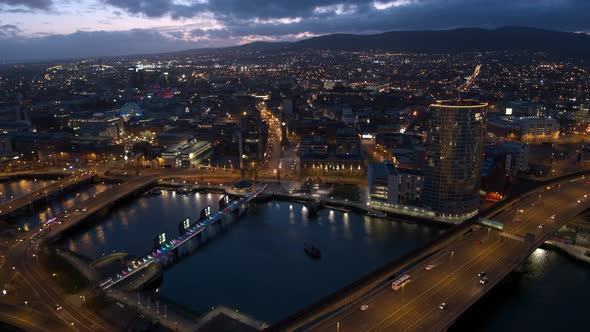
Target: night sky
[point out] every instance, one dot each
(36, 29)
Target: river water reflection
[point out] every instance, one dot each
(258, 266)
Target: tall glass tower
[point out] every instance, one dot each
(454, 156)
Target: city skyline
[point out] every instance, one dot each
(70, 29)
(349, 165)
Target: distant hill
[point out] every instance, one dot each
(440, 41)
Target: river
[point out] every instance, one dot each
(259, 267)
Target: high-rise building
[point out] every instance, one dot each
(454, 158)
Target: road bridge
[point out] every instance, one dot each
(65, 221)
(449, 274)
(37, 195)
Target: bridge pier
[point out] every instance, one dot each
(209, 232)
(229, 219)
(244, 207)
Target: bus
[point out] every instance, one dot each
(400, 282)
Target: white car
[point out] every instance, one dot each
(364, 307)
(553, 217)
(442, 306)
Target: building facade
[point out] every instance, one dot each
(525, 128)
(383, 180)
(186, 155)
(452, 174)
(394, 186)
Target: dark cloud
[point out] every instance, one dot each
(262, 9)
(9, 31)
(263, 17)
(241, 20)
(36, 4)
(157, 8)
(90, 44)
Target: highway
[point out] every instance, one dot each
(452, 274)
(91, 206)
(30, 198)
(22, 260)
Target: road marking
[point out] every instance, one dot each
(453, 274)
(24, 321)
(478, 287)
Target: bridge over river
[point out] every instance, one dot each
(446, 277)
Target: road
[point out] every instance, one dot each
(89, 207)
(219, 175)
(55, 171)
(22, 201)
(453, 278)
(22, 259)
